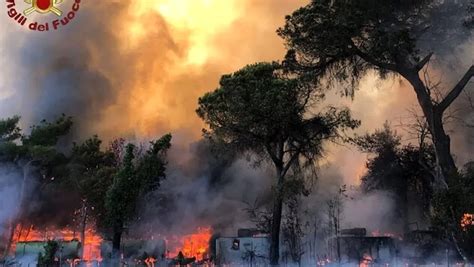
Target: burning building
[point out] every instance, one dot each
(28, 245)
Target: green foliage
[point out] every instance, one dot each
(39, 146)
(89, 154)
(137, 176)
(121, 196)
(48, 134)
(91, 174)
(450, 206)
(48, 259)
(152, 166)
(251, 105)
(396, 168)
(383, 141)
(9, 129)
(342, 39)
(10, 132)
(9, 151)
(257, 109)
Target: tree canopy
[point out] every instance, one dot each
(260, 111)
(341, 40)
(138, 174)
(400, 169)
(344, 39)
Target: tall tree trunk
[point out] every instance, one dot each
(433, 113)
(442, 144)
(276, 221)
(116, 241)
(83, 229)
(434, 117)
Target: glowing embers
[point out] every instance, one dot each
(467, 220)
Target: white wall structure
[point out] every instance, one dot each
(242, 251)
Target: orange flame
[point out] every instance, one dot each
(91, 246)
(366, 260)
(192, 245)
(150, 262)
(467, 220)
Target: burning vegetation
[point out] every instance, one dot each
(194, 245)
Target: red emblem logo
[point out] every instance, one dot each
(43, 7)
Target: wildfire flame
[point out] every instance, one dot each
(192, 245)
(467, 220)
(366, 260)
(150, 262)
(91, 246)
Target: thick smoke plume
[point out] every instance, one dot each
(134, 68)
(205, 191)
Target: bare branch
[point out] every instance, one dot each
(372, 60)
(470, 102)
(423, 62)
(456, 91)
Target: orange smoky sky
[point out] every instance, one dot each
(136, 68)
(204, 39)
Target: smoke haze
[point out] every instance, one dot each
(10, 183)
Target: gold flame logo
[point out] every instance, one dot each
(43, 7)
